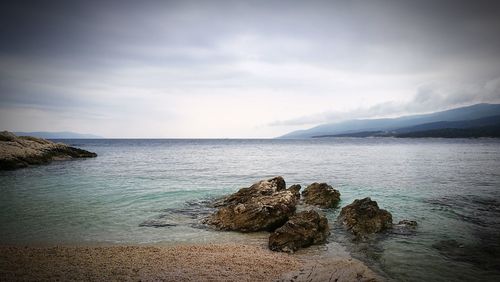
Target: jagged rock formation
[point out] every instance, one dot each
(301, 230)
(322, 195)
(266, 205)
(364, 217)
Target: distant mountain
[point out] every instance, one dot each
(470, 132)
(481, 122)
(58, 135)
(367, 127)
(483, 127)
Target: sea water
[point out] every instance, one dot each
(155, 192)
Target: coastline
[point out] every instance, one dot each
(106, 200)
(180, 262)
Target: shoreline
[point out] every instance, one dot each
(176, 262)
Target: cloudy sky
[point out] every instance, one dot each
(239, 68)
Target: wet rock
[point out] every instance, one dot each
(405, 227)
(301, 230)
(192, 209)
(157, 223)
(408, 223)
(364, 217)
(18, 152)
(322, 195)
(266, 205)
(190, 214)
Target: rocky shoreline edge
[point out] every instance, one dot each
(22, 151)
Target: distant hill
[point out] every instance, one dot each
(484, 127)
(380, 127)
(471, 132)
(481, 122)
(58, 135)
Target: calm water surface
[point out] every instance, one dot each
(451, 187)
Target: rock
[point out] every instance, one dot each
(157, 223)
(295, 188)
(261, 188)
(301, 230)
(322, 195)
(405, 227)
(18, 152)
(364, 217)
(266, 205)
(408, 223)
(7, 136)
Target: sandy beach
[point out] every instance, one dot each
(207, 262)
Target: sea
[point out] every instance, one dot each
(156, 191)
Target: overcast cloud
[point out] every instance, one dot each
(239, 68)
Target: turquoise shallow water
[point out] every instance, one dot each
(451, 187)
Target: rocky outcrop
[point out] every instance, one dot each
(18, 152)
(266, 205)
(322, 195)
(364, 217)
(301, 230)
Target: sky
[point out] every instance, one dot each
(239, 69)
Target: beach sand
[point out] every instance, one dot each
(206, 262)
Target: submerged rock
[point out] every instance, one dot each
(266, 205)
(405, 227)
(452, 249)
(301, 230)
(18, 152)
(157, 223)
(364, 217)
(191, 213)
(408, 223)
(322, 195)
(483, 253)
